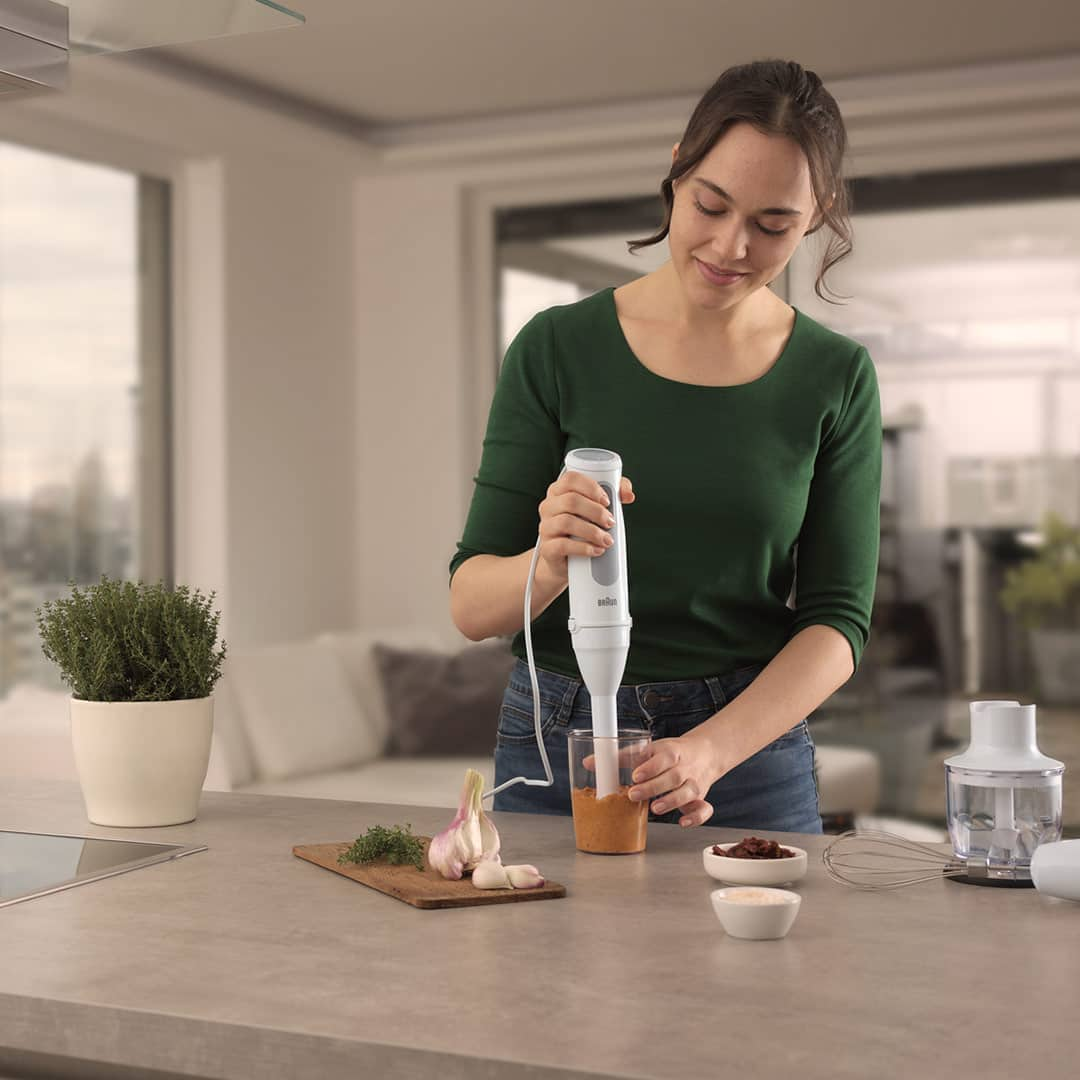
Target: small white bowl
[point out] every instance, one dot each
(770, 917)
(755, 871)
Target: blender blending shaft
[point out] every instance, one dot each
(605, 745)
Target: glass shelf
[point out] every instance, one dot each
(109, 26)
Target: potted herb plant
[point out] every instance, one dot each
(1044, 594)
(141, 661)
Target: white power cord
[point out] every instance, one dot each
(535, 688)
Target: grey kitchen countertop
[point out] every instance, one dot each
(246, 962)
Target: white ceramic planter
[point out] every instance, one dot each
(141, 763)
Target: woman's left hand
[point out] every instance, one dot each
(677, 776)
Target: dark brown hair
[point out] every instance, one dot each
(778, 97)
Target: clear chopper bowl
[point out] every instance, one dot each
(1002, 817)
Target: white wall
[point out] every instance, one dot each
(290, 399)
(411, 399)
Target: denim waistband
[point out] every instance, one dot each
(669, 696)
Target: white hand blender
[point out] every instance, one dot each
(599, 626)
(599, 622)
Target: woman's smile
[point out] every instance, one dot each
(717, 275)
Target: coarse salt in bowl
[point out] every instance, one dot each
(756, 914)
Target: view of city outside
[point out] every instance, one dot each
(69, 380)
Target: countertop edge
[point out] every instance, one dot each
(173, 1045)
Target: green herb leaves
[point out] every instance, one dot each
(398, 845)
(121, 641)
(1045, 591)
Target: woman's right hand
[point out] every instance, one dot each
(574, 519)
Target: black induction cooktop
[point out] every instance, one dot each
(36, 864)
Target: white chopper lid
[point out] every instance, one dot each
(1003, 740)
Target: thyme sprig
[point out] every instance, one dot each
(398, 844)
(132, 641)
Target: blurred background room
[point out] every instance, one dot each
(258, 270)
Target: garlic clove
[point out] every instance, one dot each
(524, 876)
(490, 874)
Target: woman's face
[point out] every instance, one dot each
(738, 217)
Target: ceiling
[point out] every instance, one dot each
(385, 65)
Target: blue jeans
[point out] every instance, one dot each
(775, 790)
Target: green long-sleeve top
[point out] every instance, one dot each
(735, 485)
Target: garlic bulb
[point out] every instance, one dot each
(524, 877)
(490, 874)
(470, 837)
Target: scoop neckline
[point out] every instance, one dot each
(649, 373)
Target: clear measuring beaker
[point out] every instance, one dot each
(612, 825)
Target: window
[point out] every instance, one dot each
(965, 287)
(84, 478)
(550, 255)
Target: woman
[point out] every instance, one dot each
(753, 436)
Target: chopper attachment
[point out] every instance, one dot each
(1003, 796)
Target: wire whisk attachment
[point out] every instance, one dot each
(874, 859)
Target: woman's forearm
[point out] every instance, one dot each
(487, 594)
(813, 665)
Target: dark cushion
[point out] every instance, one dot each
(443, 704)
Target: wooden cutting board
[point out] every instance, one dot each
(421, 888)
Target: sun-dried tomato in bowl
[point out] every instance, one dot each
(753, 847)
